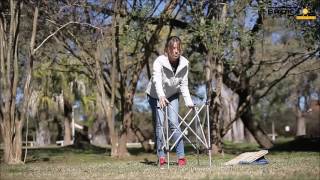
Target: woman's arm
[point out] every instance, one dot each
(157, 77)
(185, 90)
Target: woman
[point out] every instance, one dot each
(169, 79)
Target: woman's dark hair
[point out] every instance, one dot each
(170, 41)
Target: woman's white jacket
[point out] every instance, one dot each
(164, 82)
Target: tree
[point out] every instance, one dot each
(302, 99)
(11, 121)
(85, 42)
(235, 54)
(16, 51)
(258, 75)
(135, 57)
(129, 51)
(211, 39)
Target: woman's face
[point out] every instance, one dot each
(174, 51)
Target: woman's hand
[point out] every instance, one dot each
(191, 106)
(163, 101)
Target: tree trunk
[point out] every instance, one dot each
(248, 136)
(245, 93)
(109, 111)
(141, 138)
(301, 123)
(218, 117)
(43, 132)
(115, 54)
(113, 134)
(67, 138)
(11, 122)
(67, 121)
(238, 131)
(215, 103)
(230, 102)
(226, 112)
(257, 132)
(216, 140)
(12, 141)
(126, 126)
(214, 74)
(67, 131)
(216, 121)
(104, 104)
(247, 117)
(99, 131)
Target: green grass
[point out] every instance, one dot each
(95, 163)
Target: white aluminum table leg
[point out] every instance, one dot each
(208, 128)
(167, 145)
(197, 141)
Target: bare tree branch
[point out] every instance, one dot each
(62, 27)
(276, 81)
(303, 72)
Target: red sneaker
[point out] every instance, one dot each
(182, 162)
(162, 161)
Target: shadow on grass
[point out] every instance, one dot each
(155, 163)
(47, 153)
(238, 148)
(299, 144)
(228, 147)
(139, 151)
(148, 162)
(84, 150)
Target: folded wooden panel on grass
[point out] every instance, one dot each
(247, 157)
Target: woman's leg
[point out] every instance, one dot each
(174, 124)
(157, 117)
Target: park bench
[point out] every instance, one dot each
(28, 143)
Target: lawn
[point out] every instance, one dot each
(92, 162)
